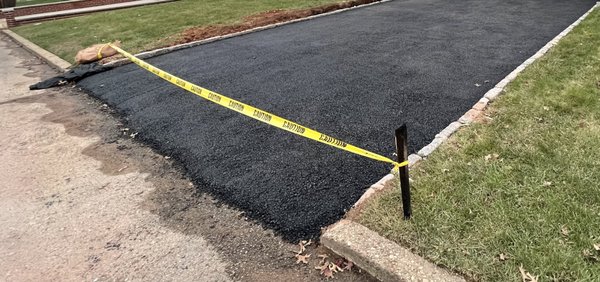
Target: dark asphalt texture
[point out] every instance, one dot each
(356, 75)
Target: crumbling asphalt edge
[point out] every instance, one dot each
(51, 59)
(339, 237)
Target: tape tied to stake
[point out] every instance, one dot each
(258, 114)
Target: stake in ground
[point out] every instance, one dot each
(521, 188)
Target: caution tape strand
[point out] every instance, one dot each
(256, 113)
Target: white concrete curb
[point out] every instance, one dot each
(370, 251)
(367, 251)
(52, 60)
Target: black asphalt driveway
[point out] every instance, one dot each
(356, 75)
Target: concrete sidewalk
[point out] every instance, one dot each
(88, 10)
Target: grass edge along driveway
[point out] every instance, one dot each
(148, 27)
(521, 189)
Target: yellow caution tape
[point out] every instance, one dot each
(258, 114)
(99, 55)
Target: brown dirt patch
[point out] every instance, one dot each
(126, 212)
(263, 19)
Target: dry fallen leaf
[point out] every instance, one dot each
(302, 258)
(323, 257)
(491, 157)
(306, 243)
(564, 230)
(327, 273)
(348, 265)
(328, 268)
(302, 245)
(502, 257)
(526, 276)
(588, 255)
(335, 268)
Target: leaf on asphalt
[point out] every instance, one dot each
(302, 258)
(526, 276)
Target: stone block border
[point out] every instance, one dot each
(366, 248)
(162, 51)
(347, 238)
(371, 252)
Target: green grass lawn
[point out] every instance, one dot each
(538, 203)
(147, 27)
(35, 2)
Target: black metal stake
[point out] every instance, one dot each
(402, 151)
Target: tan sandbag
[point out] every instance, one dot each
(96, 52)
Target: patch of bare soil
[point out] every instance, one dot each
(250, 252)
(263, 19)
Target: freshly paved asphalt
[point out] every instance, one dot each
(356, 75)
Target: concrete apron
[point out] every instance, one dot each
(385, 259)
(380, 257)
